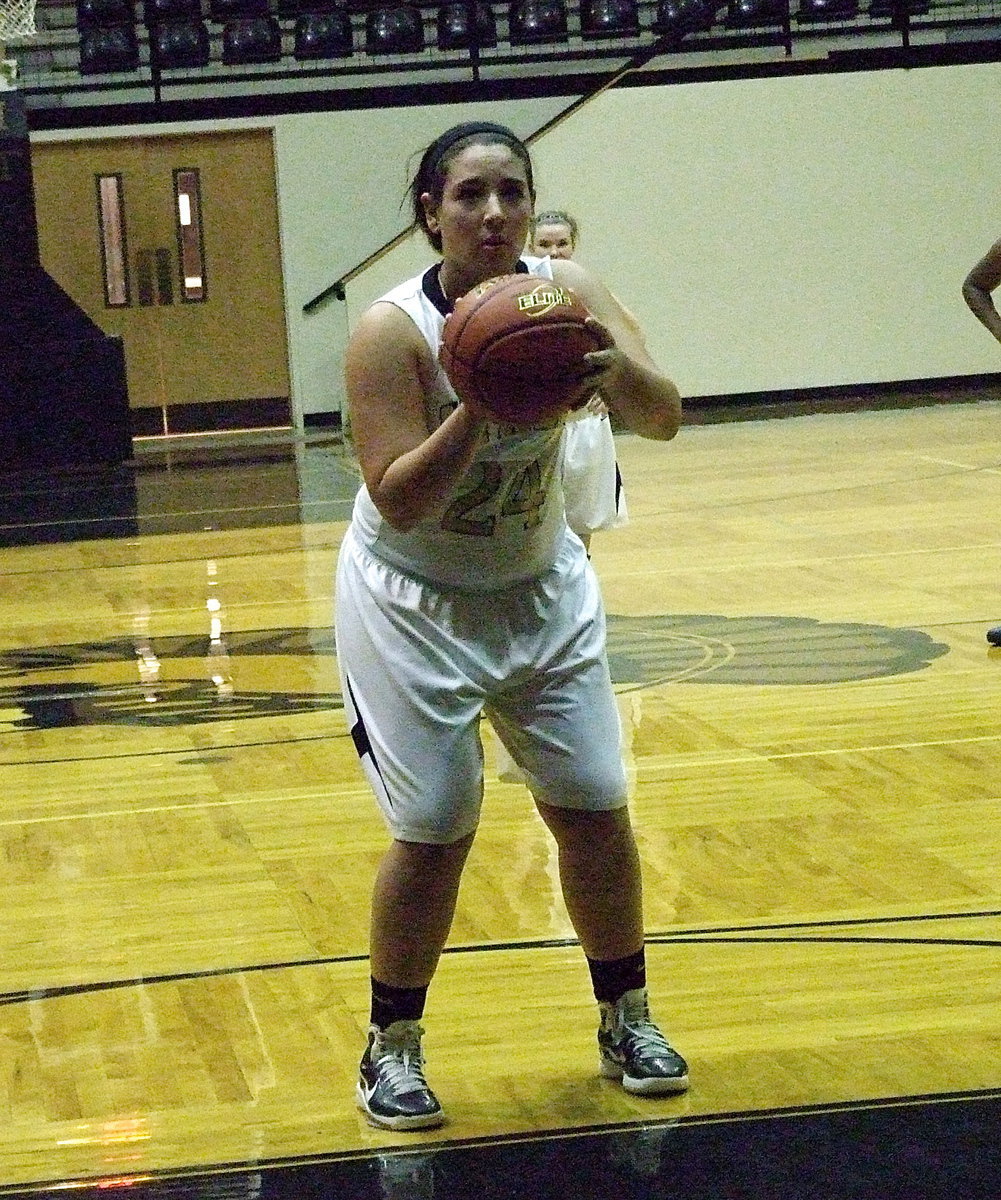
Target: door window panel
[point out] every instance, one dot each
(111, 222)
(188, 214)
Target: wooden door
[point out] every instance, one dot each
(172, 243)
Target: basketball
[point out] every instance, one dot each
(515, 344)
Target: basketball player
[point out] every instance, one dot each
(554, 232)
(459, 590)
(984, 279)
(592, 483)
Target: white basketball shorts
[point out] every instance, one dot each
(419, 664)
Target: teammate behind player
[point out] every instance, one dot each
(592, 482)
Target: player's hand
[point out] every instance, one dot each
(476, 412)
(601, 368)
(474, 407)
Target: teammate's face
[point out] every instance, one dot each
(484, 214)
(556, 240)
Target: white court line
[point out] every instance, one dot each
(947, 462)
(763, 756)
(180, 808)
(755, 564)
(363, 791)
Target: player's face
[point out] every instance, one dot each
(484, 214)
(556, 240)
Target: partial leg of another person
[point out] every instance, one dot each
(592, 483)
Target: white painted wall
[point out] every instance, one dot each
(796, 232)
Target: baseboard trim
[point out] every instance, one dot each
(225, 416)
(852, 397)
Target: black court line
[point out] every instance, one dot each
(843, 921)
(97, 758)
(95, 568)
(699, 937)
(183, 522)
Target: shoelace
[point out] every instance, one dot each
(401, 1064)
(647, 1038)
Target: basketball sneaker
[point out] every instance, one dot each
(634, 1050)
(392, 1090)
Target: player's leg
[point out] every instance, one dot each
(416, 729)
(562, 726)
(600, 878)
(602, 887)
(413, 905)
(412, 908)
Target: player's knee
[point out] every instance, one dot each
(589, 826)
(445, 830)
(600, 788)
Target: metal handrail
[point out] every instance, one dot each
(336, 291)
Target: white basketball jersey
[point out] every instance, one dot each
(505, 519)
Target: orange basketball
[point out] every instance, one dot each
(516, 345)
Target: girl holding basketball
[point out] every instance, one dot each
(461, 590)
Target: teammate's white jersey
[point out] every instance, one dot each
(591, 481)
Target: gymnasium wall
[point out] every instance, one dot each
(785, 233)
(770, 234)
(796, 232)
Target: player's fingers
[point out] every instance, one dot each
(597, 362)
(581, 396)
(599, 332)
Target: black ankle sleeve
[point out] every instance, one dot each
(391, 1004)
(614, 977)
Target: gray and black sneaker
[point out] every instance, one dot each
(634, 1050)
(392, 1090)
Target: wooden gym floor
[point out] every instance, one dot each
(796, 630)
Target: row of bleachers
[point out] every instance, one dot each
(82, 42)
(179, 34)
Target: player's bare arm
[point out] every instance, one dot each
(409, 472)
(978, 286)
(635, 389)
